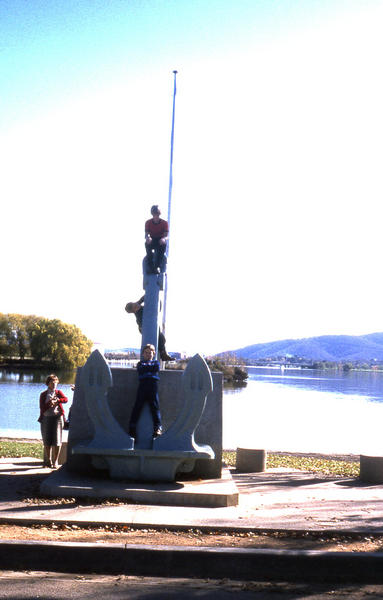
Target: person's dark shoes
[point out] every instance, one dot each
(165, 356)
(157, 432)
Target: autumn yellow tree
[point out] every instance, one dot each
(44, 340)
(15, 334)
(58, 343)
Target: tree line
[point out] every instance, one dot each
(45, 341)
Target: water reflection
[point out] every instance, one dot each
(300, 411)
(361, 383)
(233, 389)
(287, 417)
(19, 400)
(34, 376)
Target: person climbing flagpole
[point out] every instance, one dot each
(170, 193)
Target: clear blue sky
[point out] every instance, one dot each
(277, 170)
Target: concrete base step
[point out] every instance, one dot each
(208, 493)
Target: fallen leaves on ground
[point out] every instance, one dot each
(347, 466)
(123, 534)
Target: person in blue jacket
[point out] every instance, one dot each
(147, 391)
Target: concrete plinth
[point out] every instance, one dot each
(142, 465)
(371, 469)
(216, 493)
(250, 460)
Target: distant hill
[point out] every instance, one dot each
(325, 347)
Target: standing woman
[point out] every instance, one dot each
(51, 420)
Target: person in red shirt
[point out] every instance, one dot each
(156, 235)
(51, 419)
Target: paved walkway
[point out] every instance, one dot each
(279, 499)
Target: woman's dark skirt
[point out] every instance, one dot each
(51, 430)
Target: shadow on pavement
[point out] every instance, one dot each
(17, 486)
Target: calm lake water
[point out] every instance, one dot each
(306, 411)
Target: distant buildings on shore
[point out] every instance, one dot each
(134, 354)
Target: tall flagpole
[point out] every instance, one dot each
(170, 194)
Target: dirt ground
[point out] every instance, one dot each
(192, 537)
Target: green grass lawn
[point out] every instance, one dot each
(313, 464)
(14, 449)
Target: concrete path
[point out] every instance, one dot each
(278, 499)
(46, 586)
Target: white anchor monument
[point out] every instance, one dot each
(99, 437)
(103, 460)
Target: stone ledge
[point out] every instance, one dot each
(183, 561)
(371, 469)
(251, 460)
